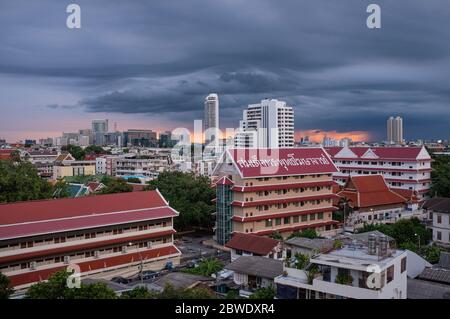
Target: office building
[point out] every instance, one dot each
(269, 124)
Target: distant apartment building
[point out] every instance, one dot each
(438, 211)
(211, 119)
(99, 129)
(65, 165)
(43, 160)
(395, 130)
(269, 124)
(355, 271)
(99, 234)
(265, 191)
(136, 137)
(403, 168)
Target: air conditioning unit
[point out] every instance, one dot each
(96, 254)
(33, 265)
(124, 249)
(67, 259)
(149, 244)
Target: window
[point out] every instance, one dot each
(268, 223)
(439, 235)
(312, 217)
(304, 218)
(287, 220)
(403, 265)
(439, 219)
(278, 221)
(295, 219)
(390, 274)
(279, 254)
(319, 215)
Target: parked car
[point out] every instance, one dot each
(120, 280)
(148, 274)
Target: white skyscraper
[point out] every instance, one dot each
(395, 130)
(211, 119)
(269, 124)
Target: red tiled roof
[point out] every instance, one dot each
(252, 163)
(35, 276)
(48, 216)
(5, 154)
(369, 191)
(31, 211)
(80, 247)
(83, 222)
(409, 194)
(252, 243)
(398, 153)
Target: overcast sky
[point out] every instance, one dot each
(149, 64)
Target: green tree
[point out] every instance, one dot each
(170, 292)
(19, 181)
(307, 233)
(276, 235)
(302, 260)
(94, 149)
(206, 267)
(5, 289)
(440, 176)
(190, 195)
(77, 152)
(138, 293)
(264, 293)
(61, 189)
(118, 185)
(56, 288)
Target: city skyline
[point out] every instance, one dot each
(129, 64)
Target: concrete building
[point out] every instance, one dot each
(254, 272)
(264, 191)
(356, 271)
(254, 245)
(269, 124)
(99, 234)
(65, 165)
(403, 168)
(42, 159)
(211, 119)
(138, 137)
(438, 211)
(395, 130)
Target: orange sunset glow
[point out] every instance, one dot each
(317, 135)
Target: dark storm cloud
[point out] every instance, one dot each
(162, 57)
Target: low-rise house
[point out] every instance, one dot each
(254, 245)
(254, 272)
(65, 165)
(180, 280)
(43, 160)
(307, 246)
(353, 271)
(433, 282)
(372, 201)
(438, 212)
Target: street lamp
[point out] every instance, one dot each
(141, 266)
(418, 238)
